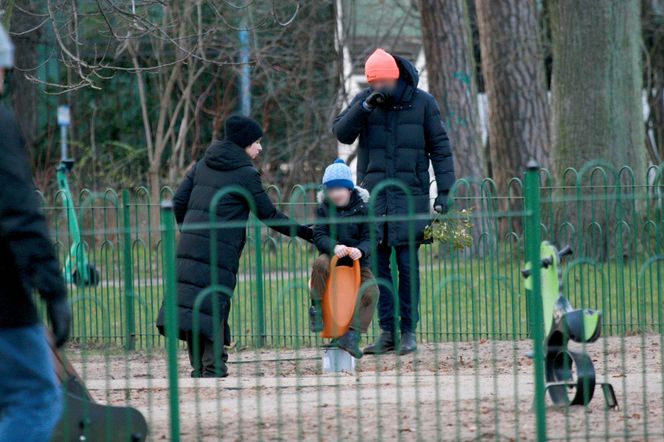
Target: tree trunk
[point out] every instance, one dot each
(23, 91)
(514, 77)
(597, 111)
(154, 184)
(596, 85)
(653, 35)
(451, 72)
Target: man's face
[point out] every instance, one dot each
(384, 85)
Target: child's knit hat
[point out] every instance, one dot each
(338, 174)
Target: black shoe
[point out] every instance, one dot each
(350, 342)
(408, 343)
(315, 320)
(212, 374)
(383, 344)
(209, 373)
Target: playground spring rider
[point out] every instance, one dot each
(562, 322)
(339, 305)
(77, 267)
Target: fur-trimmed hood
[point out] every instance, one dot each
(359, 191)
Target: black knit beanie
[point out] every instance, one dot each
(242, 131)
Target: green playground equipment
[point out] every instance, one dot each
(570, 374)
(77, 267)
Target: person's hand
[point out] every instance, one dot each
(60, 317)
(440, 204)
(341, 250)
(376, 98)
(354, 253)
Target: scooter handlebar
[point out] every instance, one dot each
(546, 262)
(567, 250)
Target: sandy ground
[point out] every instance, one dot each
(466, 391)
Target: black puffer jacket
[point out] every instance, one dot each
(356, 234)
(225, 164)
(27, 258)
(397, 141)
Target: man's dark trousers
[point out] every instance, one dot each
(408, 291)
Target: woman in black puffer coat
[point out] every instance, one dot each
(227, 163)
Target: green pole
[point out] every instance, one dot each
(130, 325)
(260, 301)
(533, 239)
(170, 307)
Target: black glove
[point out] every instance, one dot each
(60, 316)
(440, 204)
(376, 98)
(306, 233)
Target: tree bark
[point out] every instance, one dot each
(597, 112)
(597, 84)
(653, 35)
(514, 77)
(451, 73)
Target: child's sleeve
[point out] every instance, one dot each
(365, 232)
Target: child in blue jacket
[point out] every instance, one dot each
(351, 240)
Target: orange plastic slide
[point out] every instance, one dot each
(340, 297)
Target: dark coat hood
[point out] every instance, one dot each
(226, 155)
(408, 77)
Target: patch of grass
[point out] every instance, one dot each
(462, 298)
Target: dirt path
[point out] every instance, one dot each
(446, 392)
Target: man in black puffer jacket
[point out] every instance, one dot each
(227, 163)
(400, 133)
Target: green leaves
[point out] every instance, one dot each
(453, 228)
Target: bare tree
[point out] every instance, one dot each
(515, 83)
(172, 119)
(451, 72)
(297, 71)
(653, 35)
(597, 111)
(597, 83)
(168, 47)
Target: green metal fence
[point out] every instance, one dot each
(470, 379)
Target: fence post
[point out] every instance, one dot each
(533, 238)
(128, 263)
(170, 317)
(260, 299)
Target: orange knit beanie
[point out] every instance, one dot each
(381, 66)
